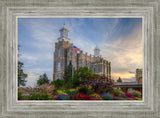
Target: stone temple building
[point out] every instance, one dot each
(64, 53)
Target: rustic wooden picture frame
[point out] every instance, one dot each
(12, 9)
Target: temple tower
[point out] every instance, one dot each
(96, 51)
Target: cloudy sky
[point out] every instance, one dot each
(119, 39)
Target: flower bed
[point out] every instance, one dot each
(79, 93)
(91, 88)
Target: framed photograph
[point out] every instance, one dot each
(79, 59)
(85, 62)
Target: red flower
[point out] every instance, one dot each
(81, 96)
(129, 95)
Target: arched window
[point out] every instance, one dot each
(94, 70)
(58, 66)
(106, 69)
(59, 52)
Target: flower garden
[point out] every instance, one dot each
(91, 88)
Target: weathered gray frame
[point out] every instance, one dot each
(11, 9)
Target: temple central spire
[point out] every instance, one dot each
(64, 33)
(97, 51)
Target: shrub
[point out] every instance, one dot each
(38, 96)
(83, 89)
(80, 75)
(21, 96)
(100, 84)
(46, 88)
(135, 93)
(117, 92)
(59, 83)
(89, 92)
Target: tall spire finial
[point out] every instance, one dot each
(96, 51)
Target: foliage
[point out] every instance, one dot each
(95, 95)
(43, 92)
(21, 75)
(90, 91)
(80, 75)
(83, 89)
(135, 93)
(117, 92)
(40, 81)
(107, 96)
(47, 88)
(75, 82)
(58, 83)
(43, 79)
(68, 73)
(100, 84)
(60, 91)
(137, 98)
(38, 96)
(72, 91)
(63, 97)
(21, 97)
(119, 98)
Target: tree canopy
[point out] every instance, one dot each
(21, 75)
(80, 75)
(43, 79)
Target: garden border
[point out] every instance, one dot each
(11, 10)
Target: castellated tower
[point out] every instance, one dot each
(64, 53)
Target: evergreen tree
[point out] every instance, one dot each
(43, 79)
(68, 73)
(21, 75)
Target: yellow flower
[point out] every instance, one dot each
(71, 90)
(61, 92)
(95, 95)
